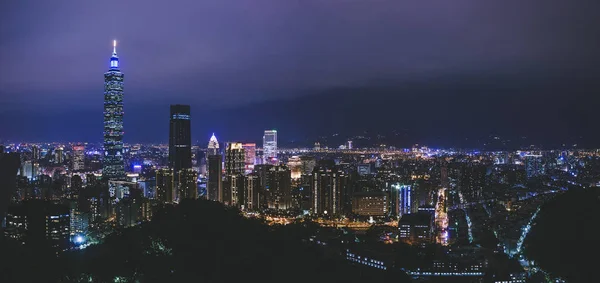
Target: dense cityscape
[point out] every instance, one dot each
(332, 187)
(427, 213)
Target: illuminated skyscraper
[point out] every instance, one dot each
(180, 138)
(213, 146)
(113, 166)
(270, 146)
(78, 158)
(234, 158)
(250, 156)
(329, 188)
(405, 200)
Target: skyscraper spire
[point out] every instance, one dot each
(114, 59)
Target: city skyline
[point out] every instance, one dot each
(336, 141)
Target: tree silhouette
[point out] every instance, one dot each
(564, 238)
(202, 241)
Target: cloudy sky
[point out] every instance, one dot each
(223, 54)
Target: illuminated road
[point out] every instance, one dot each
(469, 223)
(273, 220)
(441, 218)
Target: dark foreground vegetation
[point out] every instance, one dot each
(564, 240)
(196, 241)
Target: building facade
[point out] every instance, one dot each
(270, 146)
(214, 185)
(180, 138)
(234, 158)
(187, 185)
(113, 166)
(165, 185)
(78, 158)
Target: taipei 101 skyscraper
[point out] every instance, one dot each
(113, 166)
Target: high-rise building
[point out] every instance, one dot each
(250, 156)
(213, 146)
(308, 164)
(59, 155)
(188, 189)
(406, 200)
(270, 146)
(329, 187)
(279, 188)
(534, 166)
(180, 138)
(165, 185)
(9, 166)
(295, 165)
(233, 190)
(113, 166)
(234, 158)
(214, 186)
(252, 192)
(78, 159)
(35, 152)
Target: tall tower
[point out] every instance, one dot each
(113, 166)
(270, 146)
(180, 138)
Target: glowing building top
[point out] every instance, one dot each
(114, 59)
(213, 146)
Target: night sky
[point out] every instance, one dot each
(439, 70)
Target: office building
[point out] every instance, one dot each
(35, 152)
(113, 166)
(329, 187)
(38, 222)
(407, 202)
(278, 188)
(534, 166)
(180, 138)
(270, 147)
(78, 158)
(234, 158)
(30, 169)
(187, 185)
(252, 192)
(165, 185)
(215, 178)
(308, 164)
(364, 169)
(250, 156)
(295, 165)
(59, 155)
(233, 190)
(416, 228)
(370, 204)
